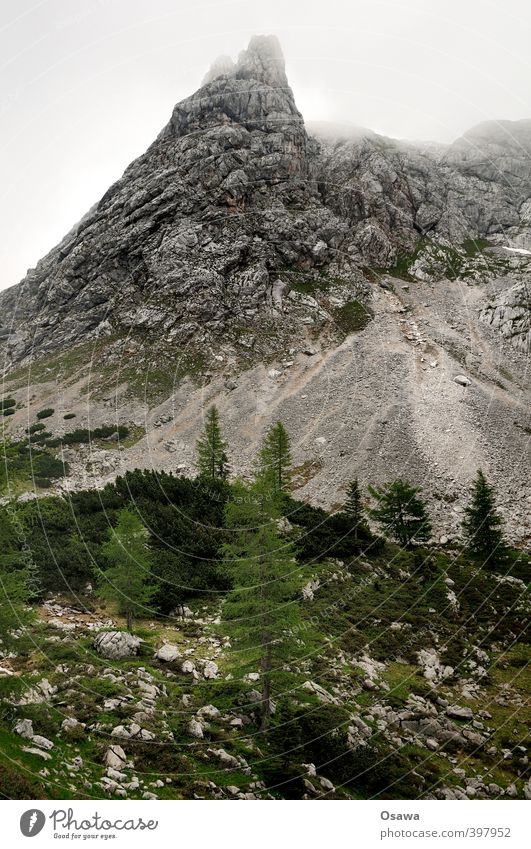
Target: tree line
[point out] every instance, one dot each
(149, 540)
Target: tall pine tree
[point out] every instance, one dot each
(128, 580)
(18, 583)
(482, 524)
(211, 449)
(261, 613)
(401, 513)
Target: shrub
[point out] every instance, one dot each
(41, 437)
(36, 428)
(83, 435)
(7, 402)
(10, 411)
(45, 414)
(46, 466)
(15, 785)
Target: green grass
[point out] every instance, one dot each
(352, 317)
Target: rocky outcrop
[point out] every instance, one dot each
(116, 645)
(510, 315)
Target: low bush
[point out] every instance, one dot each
(36, 428)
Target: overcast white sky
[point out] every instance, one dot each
(87, 84)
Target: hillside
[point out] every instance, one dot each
(406, 675)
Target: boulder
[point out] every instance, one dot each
(458, 712)
(224, 758)
(71, 724)
(195, 729)
(322, 694)
(32, 750)
(208, 712)
(24, 727)
(42, 742)
(120, 731)
(210, 669)
(167, 653)
(116, 645)
(115, 757)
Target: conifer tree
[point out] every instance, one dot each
(355, 511)
(401, 513)
(482, 524)
(274, 459)
(211, 449)
(262, 610)
(128, 580)
(18, 583)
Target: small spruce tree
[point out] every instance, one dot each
(128, 580)
(355, 511)
(482, 524)
(274, 459)
(401, 513)
(211, 449)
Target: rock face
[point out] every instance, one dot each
(116, 645)
(233, 192)
(510, 315)
(239, 239)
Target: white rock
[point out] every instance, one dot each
(120, 731)
(115, 645)
(115, 757)
(42, 742)
(195, 729)
(322, 694)
(458, 712)
(209, 712)
(31, 750)
(167, 653)
(224, 758)
(70, 723)
(24, 727)
(210, 669)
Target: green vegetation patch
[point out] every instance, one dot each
(352, 317)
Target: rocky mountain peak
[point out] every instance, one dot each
(253, 93)
(263, 62)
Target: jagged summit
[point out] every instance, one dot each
(263, 61)
(252, 92)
